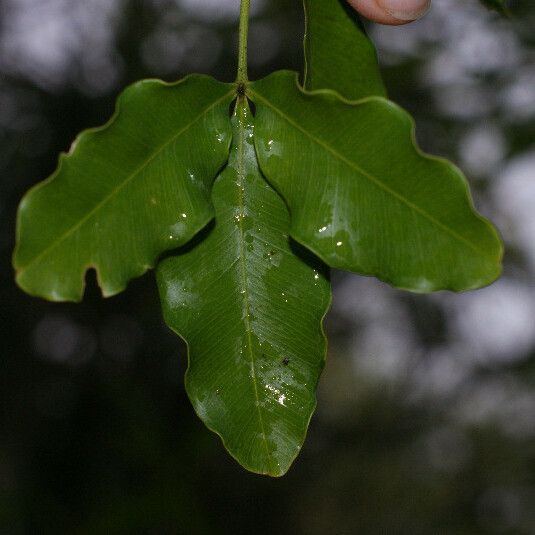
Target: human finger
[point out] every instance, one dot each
(393, 12)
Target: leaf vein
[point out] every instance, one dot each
(372, 178)
(241, 171)
(121, 186)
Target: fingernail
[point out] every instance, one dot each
(405, 10)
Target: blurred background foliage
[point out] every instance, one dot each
(426, 415)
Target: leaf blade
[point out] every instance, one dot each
(255, 362)
(338, 53)
(126, 190)
(369, 187)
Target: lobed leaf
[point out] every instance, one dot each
(363, 197)
(250, 308)
(248, 300)
(126, 192)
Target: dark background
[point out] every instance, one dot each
(426, 414)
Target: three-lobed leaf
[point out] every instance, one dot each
(337, 170)
(126, 192)
(250, 308)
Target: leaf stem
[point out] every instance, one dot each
(242, 50)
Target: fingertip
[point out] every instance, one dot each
(391, 12)
(405, 10)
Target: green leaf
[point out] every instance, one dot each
(345, 180)
(126, 192)
(250, 309)
(497, 5)
(338, 54)
(363, 197)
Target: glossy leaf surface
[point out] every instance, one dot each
(362, 197)
(126, 192)
(338, 54)
(250, 309)
(335, 168)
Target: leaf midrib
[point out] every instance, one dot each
(241, 171)
(372, 178)
(121, 186)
